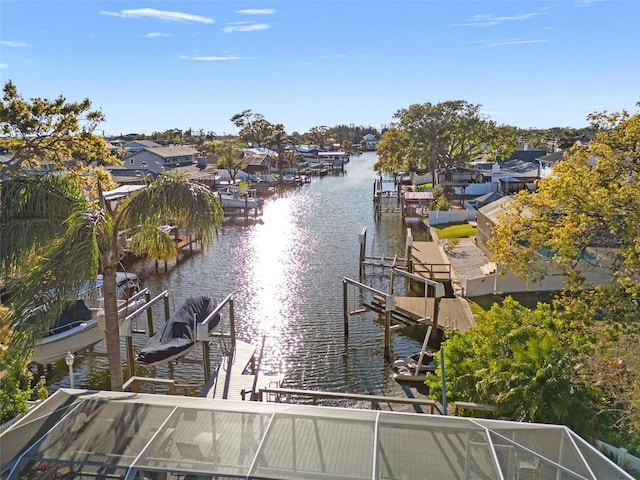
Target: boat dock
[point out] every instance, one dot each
(229, 381)
(454, 313)
(431, 300)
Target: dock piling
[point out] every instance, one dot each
(363, 246)
(345, 308)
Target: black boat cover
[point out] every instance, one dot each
(71, 317)
(179, 333)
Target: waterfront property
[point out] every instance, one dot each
(91, 435)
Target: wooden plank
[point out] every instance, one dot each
(228, 381)
(454, 313)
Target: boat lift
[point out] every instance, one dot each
(389, 302)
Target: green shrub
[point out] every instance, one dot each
(15, 392)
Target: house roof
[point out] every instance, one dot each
(134, 435)
(488, 198)
(494, 209)
(257, 156)
(551, 157)
(177, 151)
(142, 143)
(519, 168)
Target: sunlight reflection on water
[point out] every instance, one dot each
(285, 274)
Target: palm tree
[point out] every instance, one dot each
(54, 238)
(230, 158)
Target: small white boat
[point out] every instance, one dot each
(238, 197)
(337, 159)
(78, 328)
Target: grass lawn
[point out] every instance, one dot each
(455, 230)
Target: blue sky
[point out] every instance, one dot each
(155, 65)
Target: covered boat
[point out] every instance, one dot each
(77, 328)
(178, 337)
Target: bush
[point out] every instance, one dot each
(15, 392)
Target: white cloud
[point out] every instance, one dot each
(257, 11)
(585, 3)
(223, 58)
(489, 19)
(159, 15)
(14, 44)
(3, 65)
(504, 43)
(246, 27)
(155, 35)
(335, 55)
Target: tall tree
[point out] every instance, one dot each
(56, 231)
(395, 153)
(254, 128)
(230, 157)
(590, 200)
(453, 133)
(63, 238)
(320, 136)
(277, 140)
(54, 131)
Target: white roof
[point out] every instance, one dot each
(132, 435)
(121, 192)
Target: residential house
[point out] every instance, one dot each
(157, 159)
(594, 265)
(369, 142)
(547, 162)
(506, 177)
(259, 160)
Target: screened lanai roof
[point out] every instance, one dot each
(83, 434)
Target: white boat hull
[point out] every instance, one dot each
(229, 201)
(79, 338)
(54, 347)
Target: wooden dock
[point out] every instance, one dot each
(429, 261)
(230, 381)
(453, 313)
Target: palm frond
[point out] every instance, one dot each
(54, 280)
(32, 212)
(149, 240)
(192, 206)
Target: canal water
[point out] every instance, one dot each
(285, 274)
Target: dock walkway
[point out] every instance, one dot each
(430, 261)
(229, 380)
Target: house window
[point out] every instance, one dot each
(131, 161)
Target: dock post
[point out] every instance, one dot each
(167, 314)
(206, 360)
(147, 299)
(130, 359)
(345, 307)
(232, 325)
(389, 306)
(362, 238)
(409, 247)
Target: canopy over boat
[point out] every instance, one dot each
(178, 336)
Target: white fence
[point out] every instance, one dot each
(622, 457)
(437, 217)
